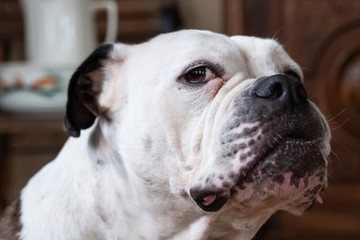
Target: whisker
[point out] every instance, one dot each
(342, 124)
(341, 144)
(333, 139)
(338, 114)
(277, 32)
(336, 160)
(336, 156)
(331, 178)
(311, 98)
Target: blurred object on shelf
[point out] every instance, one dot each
(32, 91)
(139, 20)
(62, 32)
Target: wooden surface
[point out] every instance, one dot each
(14, 124)
(234, 17)
(25, 146)
(4, 150)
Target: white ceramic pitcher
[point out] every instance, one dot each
(62, 32)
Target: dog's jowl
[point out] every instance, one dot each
(192, 135)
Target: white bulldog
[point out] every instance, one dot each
(192, 135)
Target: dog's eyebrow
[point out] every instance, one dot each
(215, 67)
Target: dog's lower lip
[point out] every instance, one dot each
(215, 205)
(210, 201)
(248, 174)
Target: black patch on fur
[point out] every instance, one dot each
(82, 108)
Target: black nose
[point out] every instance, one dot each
(282, 90)
(209, 201)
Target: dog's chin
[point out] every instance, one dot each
(288, 175)
(292, 172)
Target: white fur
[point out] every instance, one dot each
(162, 134)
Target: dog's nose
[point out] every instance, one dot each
(208, 200)
(283, 90)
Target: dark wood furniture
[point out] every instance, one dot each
(25, 146)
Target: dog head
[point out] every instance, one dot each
(212, 123)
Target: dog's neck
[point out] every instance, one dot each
(155, 217)
(106, 199)
(97, 196)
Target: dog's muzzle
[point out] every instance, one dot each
(284, 146)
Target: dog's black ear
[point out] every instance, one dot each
(85, 85)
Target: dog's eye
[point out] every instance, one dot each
(199, 75)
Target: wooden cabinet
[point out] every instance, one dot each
(25, 146)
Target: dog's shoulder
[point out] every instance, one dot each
(10, 224)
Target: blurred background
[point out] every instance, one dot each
(323, 36)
